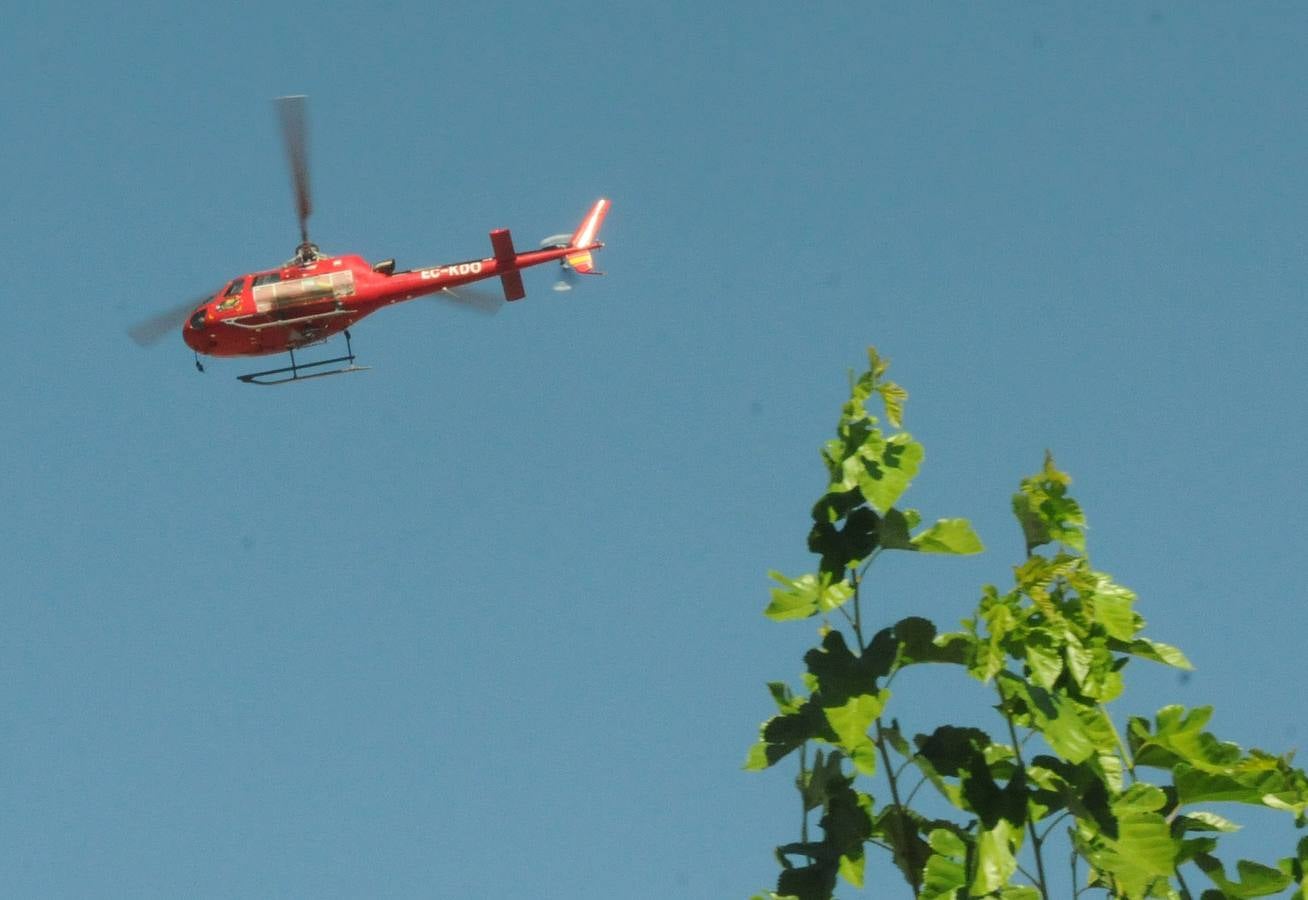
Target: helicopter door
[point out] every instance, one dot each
(294, 292)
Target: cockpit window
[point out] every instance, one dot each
(267, 278)
(234, 288)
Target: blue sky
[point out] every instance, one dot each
(485, 621)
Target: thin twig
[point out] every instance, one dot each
(1041, 883)
(915, 877)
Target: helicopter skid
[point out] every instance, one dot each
(269, 377)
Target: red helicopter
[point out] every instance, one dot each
(313, 296)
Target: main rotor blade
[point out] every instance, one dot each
(291, 111)
(149, 332)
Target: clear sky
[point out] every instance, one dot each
(485, 621)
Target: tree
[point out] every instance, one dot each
(1133, 805)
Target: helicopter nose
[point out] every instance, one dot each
(193, 330)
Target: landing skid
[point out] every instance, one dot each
(270, 377)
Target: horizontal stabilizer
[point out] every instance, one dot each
(513, 286)
(506, 257)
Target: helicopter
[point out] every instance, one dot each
(314, 296)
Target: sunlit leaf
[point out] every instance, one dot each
(948, 536)
(945, 873)
(1158, 652)
(1206, 821)
(884, 469)
(1202, 786)
(851, 721)
(996, 861)
(1140, 797)
(1178, 735)
(1019, 892)
(1113, 610)
(757, 758)
(1255, 879)
(1143, 851)
(1046, 513)
(851, 869)
(1074, 731)
(782, 696)
(805, 596)
(1043, 658)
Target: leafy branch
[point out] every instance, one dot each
(1053, 648)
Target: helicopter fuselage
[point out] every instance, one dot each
(305, 303)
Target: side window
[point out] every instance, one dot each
(232, 296)
(267, 278)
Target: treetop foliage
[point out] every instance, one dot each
(1131, 809)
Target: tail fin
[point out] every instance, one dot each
(586, 239)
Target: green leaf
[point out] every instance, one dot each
(1074, 731)
(784, 733)
(914, 640)
(813, 882)
(1206, 821)
(996, 861)
(840, 674)
(901, 828)
(845, 547)
(825, 778)
(781, 695)
(1046, 513)
(1296, 869)
(884, 469)
(953, 536)
(851, 869)
(1113, 610)
(1019, 892)
(950, 749)
(892, 395)
(1256, 880)
(1178, 736)
(1140, 797)
(847, 826)
(945, 873)
(1158, 652)
(1143, 852)
(1201, 786)
(895, 528)
(851, 721)
(805, 596)
(757, 758)
(1043, 657)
